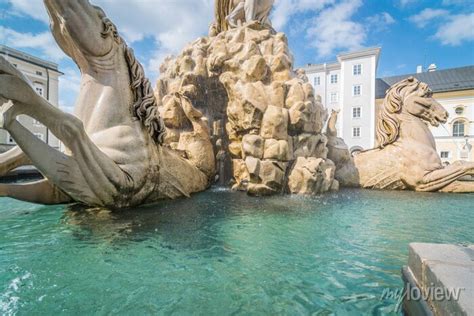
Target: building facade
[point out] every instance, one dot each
(44, 76)
(454, 90)
(348, 86)
(351, 86)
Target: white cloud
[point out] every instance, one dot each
(285, 9)
(169, 24)
(32, 8)
(380, 22)
(404, 3)
(43, 42)
(333, 29)
(427, 15)
(457, 29)
(451, 29)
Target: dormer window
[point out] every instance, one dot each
(459, 110)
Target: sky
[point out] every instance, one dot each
(410, 32)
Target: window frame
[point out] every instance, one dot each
(333, 76)
(359, 67)
(359, 132)
(447, 152)
(457, 124)
(354, 90)
(317, 81)
(359, 108)
(336, 97)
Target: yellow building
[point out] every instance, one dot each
(454, 89)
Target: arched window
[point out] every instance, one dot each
(458, 129)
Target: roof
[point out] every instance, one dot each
(8, 51)
(453, 79)
(368, 51)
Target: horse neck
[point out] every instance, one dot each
(413, 129)
(105, 90)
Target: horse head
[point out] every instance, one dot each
(81, 30)
(409, 97)
(84, 32)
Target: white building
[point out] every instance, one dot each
(348, 85)
(45, 78)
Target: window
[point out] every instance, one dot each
(357, 69)
(356, 132)
(459, 110)
(334, 97)
(317, 81)
(10, 139)
(334, 79)
(357, 90)
(39, 73)
(356, 112)
(39, 135)
(458, 129)
(444, 154)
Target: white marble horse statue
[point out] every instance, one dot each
(114, 157)
(406, 156)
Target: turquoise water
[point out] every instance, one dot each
(221, 253)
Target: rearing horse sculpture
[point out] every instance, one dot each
(113, 158)
(406, 156)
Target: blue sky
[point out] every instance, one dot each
(410, 32)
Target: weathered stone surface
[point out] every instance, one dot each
(241, 174)
(255, 68)
(310, 145)
(277, 150)
(311, 176)
(252, 145)
(251, 85)
(444, 266)
(253, 168)
(272, 174)
(275, 123)
(235, 149)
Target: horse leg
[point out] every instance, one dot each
(12, 159)
(440, 178)
(88, 175)
(42, 192)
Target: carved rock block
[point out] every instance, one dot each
(309, 145)
(278, 150)
(241, 174)
(272, 174)
(252, 145)
(255, 68)
(311, 176)
(235, 149)
(275, 123)
(253, 168)
(296, 94)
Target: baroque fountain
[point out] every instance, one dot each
(232, 98)
(231, 109)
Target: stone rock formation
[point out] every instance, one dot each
(264, 116)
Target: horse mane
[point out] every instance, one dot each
(388, 124)
(145, 105)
